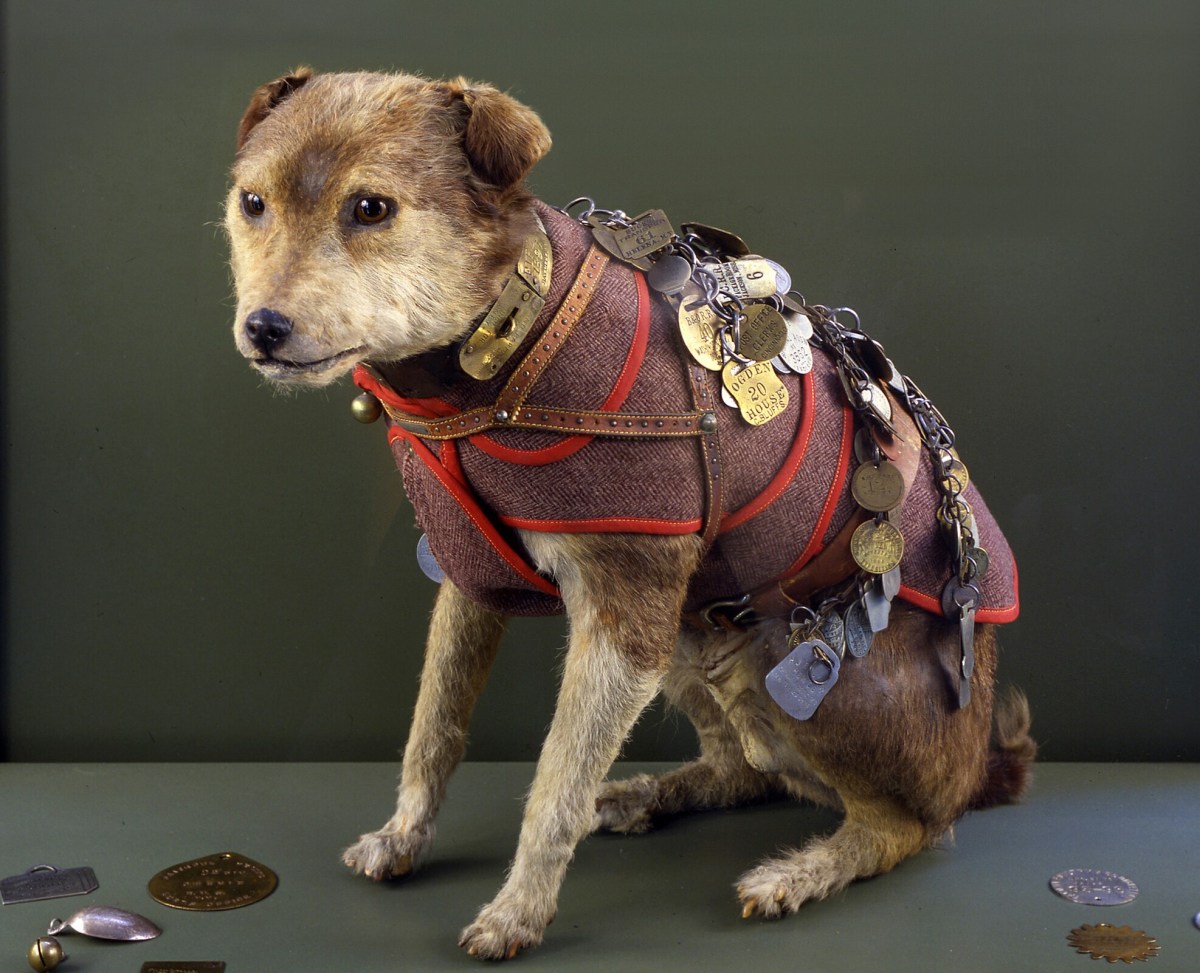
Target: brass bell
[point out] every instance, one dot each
(46, 953)
(366, 408)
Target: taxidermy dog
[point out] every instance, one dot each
(734, 495)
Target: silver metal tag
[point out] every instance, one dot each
(47, 882)
(427, 562)
(803, 678)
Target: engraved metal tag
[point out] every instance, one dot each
(750, 278)
(217, 966)
(699, 325)
(1090, 886)
(759, 393)
(764, 333)
(649, 232)
(497, 339)
(1113, 943)
(47, 882)
(213, 884)
(858, 630)
(783, 280)
(876, 546)
(803, 678)
(877, 488)
(536, 262)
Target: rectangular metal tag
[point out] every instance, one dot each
(47, 882)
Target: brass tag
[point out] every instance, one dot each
(649, 232)
(536, 262)
(759, 393)
(877, 546)
(699, 325)
(764, 333)
(878, 488)
(213, 884)
(496, 340)
(747, 279)
(606, 239)
(1113, 942)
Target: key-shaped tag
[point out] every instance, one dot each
(699, 326)
(858, 630)
(763, 333)
(760, 395)
(750, 278)
(960, 602)
(803, 678)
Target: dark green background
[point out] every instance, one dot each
(201, 568)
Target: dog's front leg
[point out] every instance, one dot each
(461, 647)
(623, 595)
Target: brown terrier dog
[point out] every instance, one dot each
(375, 219)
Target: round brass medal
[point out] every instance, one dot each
(213, 884)
(878, 488)
(764, 333)
(877, 547)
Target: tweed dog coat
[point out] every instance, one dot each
(785, 491)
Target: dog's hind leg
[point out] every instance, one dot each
(461, 647)
(875, 836)
(623, 595)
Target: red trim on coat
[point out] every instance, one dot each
(601, 525)
(772, 491)
(995, 616)
(470, 505)
(815, 542)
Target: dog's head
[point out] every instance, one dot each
(372, 217)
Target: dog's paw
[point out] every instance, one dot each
(501, 932)
(779, 886)
(625, 806)
(389, 853)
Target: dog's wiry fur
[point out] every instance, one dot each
(887, 748)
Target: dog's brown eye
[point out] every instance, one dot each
(253, 205)
(372, 209)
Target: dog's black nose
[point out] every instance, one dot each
(267, 329)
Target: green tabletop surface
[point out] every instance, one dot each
(656, 902)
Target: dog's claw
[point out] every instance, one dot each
(749, 907)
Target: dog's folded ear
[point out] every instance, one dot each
(502, 139)
(267, 98)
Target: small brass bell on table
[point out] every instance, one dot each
(46, 953)
(366, 408)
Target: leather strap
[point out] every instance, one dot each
(710, 451)
(511, 411)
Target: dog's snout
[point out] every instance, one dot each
(267, 329)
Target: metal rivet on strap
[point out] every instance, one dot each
(502, 415)
(708, 422)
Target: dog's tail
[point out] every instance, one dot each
(1012, 753)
